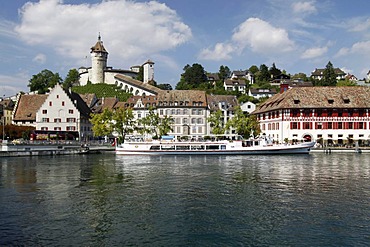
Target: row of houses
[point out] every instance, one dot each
(66, 111)
(335, 115)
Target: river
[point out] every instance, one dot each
(108, 200)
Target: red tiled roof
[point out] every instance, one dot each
(318, 97)
(27, 106)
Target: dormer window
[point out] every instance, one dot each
(346, 100)
(330, 101)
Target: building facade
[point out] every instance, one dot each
(64, 111)
(330, 115)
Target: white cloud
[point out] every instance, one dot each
(254, 34)
(359, 25)
(314, 52)
(362, 48)
(40, 58)
(307, 7)
(131, 29)
(262, 37)
(221, 51)
(12, 84)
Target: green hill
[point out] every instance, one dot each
(102, 90)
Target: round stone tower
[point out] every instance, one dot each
(99, 57)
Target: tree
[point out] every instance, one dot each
(43, 81)
(263, 74)
(123, 122)
(216, 120)
(193, 77)
(165, 125)
(301, 76)
(72, 79)
(102, 123)
(274, 71)
(329, 76)
(253, 69)
(223, 73)
(165, 86)
(149, 124)
(140, 75)
(243, 125)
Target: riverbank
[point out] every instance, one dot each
(341, 150)
(10, 150)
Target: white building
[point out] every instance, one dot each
(64, 112)
(335, 115)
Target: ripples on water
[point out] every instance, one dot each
(108, 200)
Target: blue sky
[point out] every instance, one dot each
(298, 36)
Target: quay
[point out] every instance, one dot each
(14, 150)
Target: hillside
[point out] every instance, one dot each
(102, 90)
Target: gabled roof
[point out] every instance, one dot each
(231, 82)
(318, 97)
(319, 72)
(27, 106)
(145, 100)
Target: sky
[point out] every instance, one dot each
(298, 36)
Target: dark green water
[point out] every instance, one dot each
(104, 200)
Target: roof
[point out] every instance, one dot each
(145, 100)
(319, 72)
(99, 47)
(214, 101)
(318, 97)
(232, 82)
(27, 106)
(138, 84)
(191, 96)
(89, 98)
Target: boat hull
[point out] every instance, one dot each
(266, 150)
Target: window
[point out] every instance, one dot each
(44, 111)
(185, 121)
(57, 96)
(200, 121)
(50, 103)
(57, 120)
(57, 128)
(71, 128)
(70, 111)
(44, 128)
(45, 120)
(71, 120)
(200, 112)
(185, 111)
(62, 103)
(294, 125)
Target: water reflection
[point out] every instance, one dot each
(97, 200)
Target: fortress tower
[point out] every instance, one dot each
(99, 57)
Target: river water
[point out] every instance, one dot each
(108, 200)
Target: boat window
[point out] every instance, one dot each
(212, 147)
(197, 147)
(182, 147)
(156, 147)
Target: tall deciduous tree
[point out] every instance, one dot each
(224, 72)
(243, 125)
(193, 77)
(43, 81)
(216, 120)
(120, 121)
(72, 79)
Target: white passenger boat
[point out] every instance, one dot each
(211, 147)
